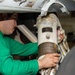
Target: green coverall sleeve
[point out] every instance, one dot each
(23, 49)
(9, 66)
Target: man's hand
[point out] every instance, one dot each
(49, 60)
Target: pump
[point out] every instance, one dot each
(49, 30)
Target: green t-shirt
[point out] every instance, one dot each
(9, 66)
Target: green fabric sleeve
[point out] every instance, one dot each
(22, 49)
(9, 66)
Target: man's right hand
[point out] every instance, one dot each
(49, 60)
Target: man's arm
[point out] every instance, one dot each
(22, 49)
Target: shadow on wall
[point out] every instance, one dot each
(71, 39)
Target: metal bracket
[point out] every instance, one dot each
(46, 6)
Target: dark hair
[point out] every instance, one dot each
(8, 16)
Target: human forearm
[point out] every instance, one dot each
(23, 49)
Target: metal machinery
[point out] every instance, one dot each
(49, 41)
(36, 5)
(49, 27)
